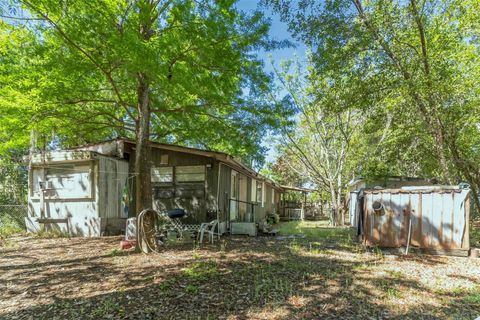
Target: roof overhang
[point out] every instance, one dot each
(116, 147)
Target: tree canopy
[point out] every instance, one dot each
(412, 68)
(70, 70)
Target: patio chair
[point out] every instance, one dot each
(209, 229)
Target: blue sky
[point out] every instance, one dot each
(278, 31)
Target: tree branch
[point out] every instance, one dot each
(107, 74)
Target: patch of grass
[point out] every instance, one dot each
(165, 285)
(393, 292)
(196, 255)
(378, 253)
(191, 289)
(389, 288)
(270, 289)
(223, 247)
(9, 230)
(51, 234)
(364, 266)
(316, 231)
(458, 291)
(8, 243)
(472, 298)
(106, 307)
(462, 295)
(115, 252)
(201, 270)
(397, 275)
(295, 247)
(315, 251)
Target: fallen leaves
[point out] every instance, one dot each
(254, 278)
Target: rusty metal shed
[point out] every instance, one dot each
(438, 218)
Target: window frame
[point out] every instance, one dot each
(176, 174)
(159, 168)
(253, 190)
(261, 195)
(43, 173)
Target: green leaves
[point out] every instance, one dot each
(410, 67)
(79, 71)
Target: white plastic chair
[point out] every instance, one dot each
(209, 228)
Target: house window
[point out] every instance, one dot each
(162, 174)
(234, 185)
(190, 174)
(273, 196)
(63, 181)
(37, 175)
(260, 192)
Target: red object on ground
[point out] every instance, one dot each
(127, 244)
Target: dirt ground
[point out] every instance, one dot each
(238, 278)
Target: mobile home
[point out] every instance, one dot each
(88, 190)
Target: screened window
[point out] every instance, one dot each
(260, 192)
(190, 173)
(162, 174)
(234, 185)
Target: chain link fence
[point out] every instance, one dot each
(12, 217)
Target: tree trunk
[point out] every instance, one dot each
(143, 184)
(333, 201)
(341, 219)
(439, 138)
(143, 190)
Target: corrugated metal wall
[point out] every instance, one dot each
(439, 218)
(352, 209)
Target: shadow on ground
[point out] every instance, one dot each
(257, 278)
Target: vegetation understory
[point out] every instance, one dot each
(323, 274)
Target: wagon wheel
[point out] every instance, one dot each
(148, 232)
